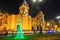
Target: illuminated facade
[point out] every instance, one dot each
(11, 21)
(49, 24)
(39, 21)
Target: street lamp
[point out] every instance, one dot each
(37, 3)
(37, 0)
(58, 17)
(34, 0)
(40, 0)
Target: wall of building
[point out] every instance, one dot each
(11, 21)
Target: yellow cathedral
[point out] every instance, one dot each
(10, 22)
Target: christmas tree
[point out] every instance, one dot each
(19, 33)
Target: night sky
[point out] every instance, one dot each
(51, 8)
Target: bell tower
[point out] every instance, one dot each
(40, 19)
(24, 12)
(24, 8)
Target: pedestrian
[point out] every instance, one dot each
(40, 29)
(33, 29)
(6, 32)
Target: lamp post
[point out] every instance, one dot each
(37, 0)
(58, 17)
(34, 0)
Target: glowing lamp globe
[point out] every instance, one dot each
(34, 0)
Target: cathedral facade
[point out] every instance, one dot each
(10, 22)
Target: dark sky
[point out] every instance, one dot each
(51, 8)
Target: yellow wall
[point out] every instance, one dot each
(29, 23)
